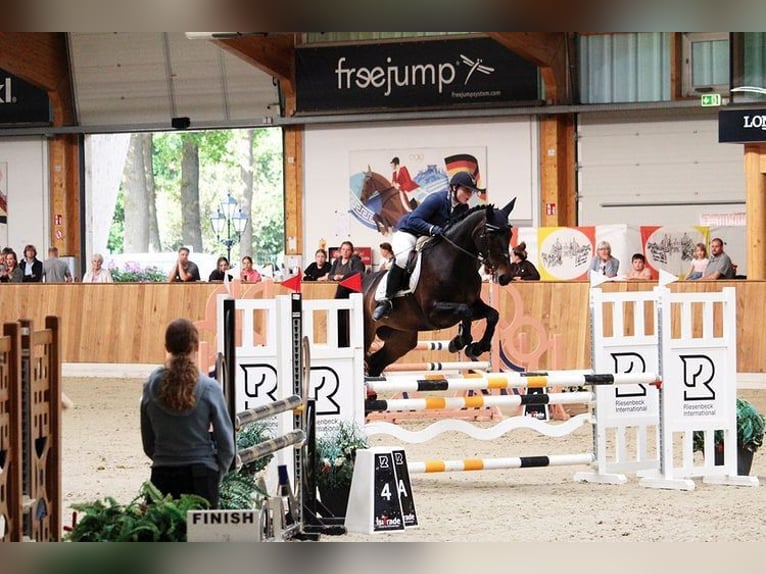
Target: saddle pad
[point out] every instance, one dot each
(380, 291)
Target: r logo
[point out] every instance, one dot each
(260, 381)
(699, 372)
(629, 363)
(324, 385)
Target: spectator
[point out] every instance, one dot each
(221, 267)
(699, 263)
(719, 265)
(521, 268)
(603, 262)
(186, 429)
(319, 269)
(3, 253)
(346, 264)
(184, 270)
(97, 273)
(12, 272)
(31, 266)
(56, 270)
(387, 254)
(639, 269)
(248, 274)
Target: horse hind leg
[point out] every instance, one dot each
(395, 346)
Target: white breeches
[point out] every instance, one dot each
(402, 243)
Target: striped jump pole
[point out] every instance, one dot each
(267, 410)
(478, 401)
(294, 437)
(431, 466)
(442, 345)
(482, 381)
(439, 366)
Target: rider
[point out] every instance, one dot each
(429, 218)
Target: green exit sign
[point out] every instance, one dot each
(708, 100)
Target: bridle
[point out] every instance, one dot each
(483, 256)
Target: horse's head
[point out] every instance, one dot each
(496, 238)
(373, 183)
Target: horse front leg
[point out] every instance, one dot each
(483, 311)
(463, 337)
(445, 314)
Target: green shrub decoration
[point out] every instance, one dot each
(751, 426)
(336, 454)
(150, 517)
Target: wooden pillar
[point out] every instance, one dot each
(755, 199)
(293, 176)
(65, 194)
(557, 171)
(293, 162)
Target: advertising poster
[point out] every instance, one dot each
(671, 248)
(565, 252)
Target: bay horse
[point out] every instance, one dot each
(448, 291)
(393, 202)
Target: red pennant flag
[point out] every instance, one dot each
(354, 283)
(293, 283)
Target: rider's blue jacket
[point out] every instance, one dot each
(431, 216)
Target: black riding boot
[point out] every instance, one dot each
(394, 281)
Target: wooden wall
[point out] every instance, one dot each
(543, 324)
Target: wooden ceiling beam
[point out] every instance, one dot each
(40, 58)
(549, 51)
(274, 55)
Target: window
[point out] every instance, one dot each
(705, 63)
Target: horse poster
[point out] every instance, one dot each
(386, 184)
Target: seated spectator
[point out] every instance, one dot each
(219, 273)
(249, 274)
(12, 272)
(97, 273)
(184, 270)
(56, 270)
(346, 264)
(318, 270)
(699, 263)
(521, 268)
(639, 269)
(3, 253)
(719, 265)
(603, 262)
(31, 265)
(387, 254)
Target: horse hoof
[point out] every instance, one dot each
(474, 350)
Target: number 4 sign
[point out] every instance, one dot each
(381, 496)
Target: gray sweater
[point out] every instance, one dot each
(183, 438)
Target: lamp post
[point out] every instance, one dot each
(229, 215)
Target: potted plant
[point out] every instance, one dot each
(335, 456)
(751, 426)
(240, 488)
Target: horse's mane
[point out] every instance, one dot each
(467, 214)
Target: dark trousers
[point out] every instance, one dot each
(191, 479)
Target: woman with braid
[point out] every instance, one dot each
(185, 426)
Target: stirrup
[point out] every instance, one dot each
(383, 309)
